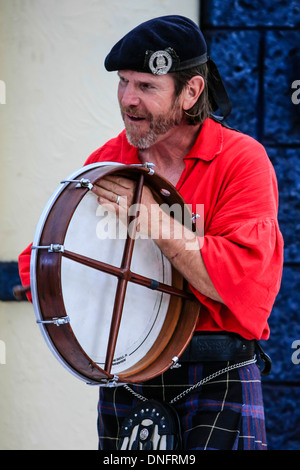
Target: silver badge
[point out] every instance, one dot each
(144, 434)
(160, 62)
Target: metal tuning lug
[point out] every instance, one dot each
(175, 364)
(55, 321)
(83, 183)
(149, 167)
(112, 382)
(53, 248)
(195, 217)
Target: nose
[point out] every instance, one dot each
(128, 95)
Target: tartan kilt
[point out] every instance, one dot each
(226, 413)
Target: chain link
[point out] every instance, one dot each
(137, 395)
(198, 384)
(212, 376)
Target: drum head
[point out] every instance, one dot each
(76, 286)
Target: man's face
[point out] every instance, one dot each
(148, 106)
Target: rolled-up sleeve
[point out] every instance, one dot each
(245, 267)
(242, 246)
(24, 269)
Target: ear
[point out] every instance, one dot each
(192, 91)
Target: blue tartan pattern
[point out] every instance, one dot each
(226, 413)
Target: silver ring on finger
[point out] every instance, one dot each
(118, 199)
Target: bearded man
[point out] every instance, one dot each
(169, 90)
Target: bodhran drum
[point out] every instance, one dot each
(110, 305)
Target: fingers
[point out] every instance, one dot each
(118, 181)
(117, 185)
(114, 189)
(106, 195)
(116, 194)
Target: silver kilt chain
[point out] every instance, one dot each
(198, 384)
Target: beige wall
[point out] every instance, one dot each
(60, 105)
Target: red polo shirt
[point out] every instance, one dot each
(232, 176)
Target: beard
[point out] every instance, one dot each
(158, 125)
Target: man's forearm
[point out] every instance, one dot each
(181, 247)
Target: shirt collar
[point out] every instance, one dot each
(209, 143)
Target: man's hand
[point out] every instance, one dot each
(116, 193)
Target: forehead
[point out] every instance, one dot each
(141, 77)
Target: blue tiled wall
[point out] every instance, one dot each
(256, 45)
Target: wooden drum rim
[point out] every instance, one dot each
(47, 292)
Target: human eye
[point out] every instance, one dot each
(123, 80)
(147, 86)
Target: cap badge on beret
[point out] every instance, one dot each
(160, 62)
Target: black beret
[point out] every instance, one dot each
(168, 44)
(160, 45)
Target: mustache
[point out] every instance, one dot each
(133, 112)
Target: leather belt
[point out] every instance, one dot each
(210, 347)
